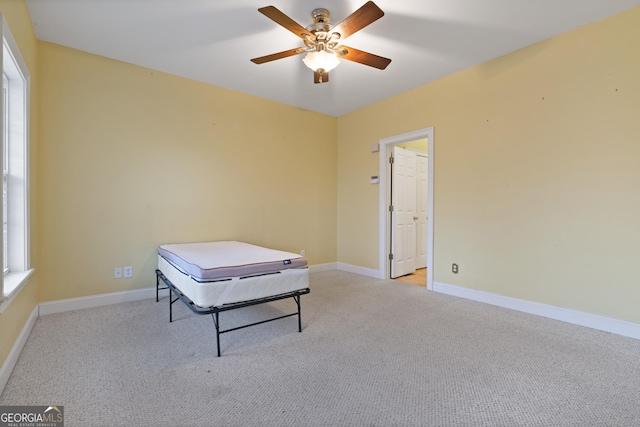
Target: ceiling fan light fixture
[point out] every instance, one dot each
(321, 60)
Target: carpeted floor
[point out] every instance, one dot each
(371, 353)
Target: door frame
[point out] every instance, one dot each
(385, 194)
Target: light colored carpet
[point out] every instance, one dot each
(371, 353)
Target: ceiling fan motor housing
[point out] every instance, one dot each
(322, 38)
(320, 21)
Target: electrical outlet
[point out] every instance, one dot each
(454, 268)
(128, 271)
(302, 252)
(117, 273)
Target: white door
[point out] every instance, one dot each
(422, 202)
(403, 215)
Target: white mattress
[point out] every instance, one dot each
(205, 261)
(218, 292)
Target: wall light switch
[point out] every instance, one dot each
(128, 271)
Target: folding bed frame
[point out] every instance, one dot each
(209, 282)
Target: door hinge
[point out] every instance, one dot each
(391, 208)
(390, 257)
(391, 159)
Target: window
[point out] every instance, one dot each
(15, 167)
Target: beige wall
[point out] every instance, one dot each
(133, 158)
(14, 318)
(536, 171)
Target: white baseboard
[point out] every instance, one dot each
(369, 272)
(593, 321)
(12, 358)
(93, 301)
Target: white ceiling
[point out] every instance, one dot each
(213, 40)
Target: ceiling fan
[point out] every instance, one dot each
(322, 40)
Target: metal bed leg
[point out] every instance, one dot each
(159, 276)
(216, 323)
(297, 300)
(171, 307)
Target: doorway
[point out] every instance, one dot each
(388, 238)
(409, 198)
(408, 165)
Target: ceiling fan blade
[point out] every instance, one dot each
(362, 57)
(279, 55)
(320, 77)
(358, 20)
(278, 17)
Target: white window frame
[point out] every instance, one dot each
(14, 68)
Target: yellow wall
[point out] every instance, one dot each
(15, 316)
(536, 171)
(133, 158)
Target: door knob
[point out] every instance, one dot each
(415, 218)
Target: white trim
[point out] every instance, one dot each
(70, 304)
(593, 321)
(383, 197)
(360, 270)
(12, 358)
(12, 285)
